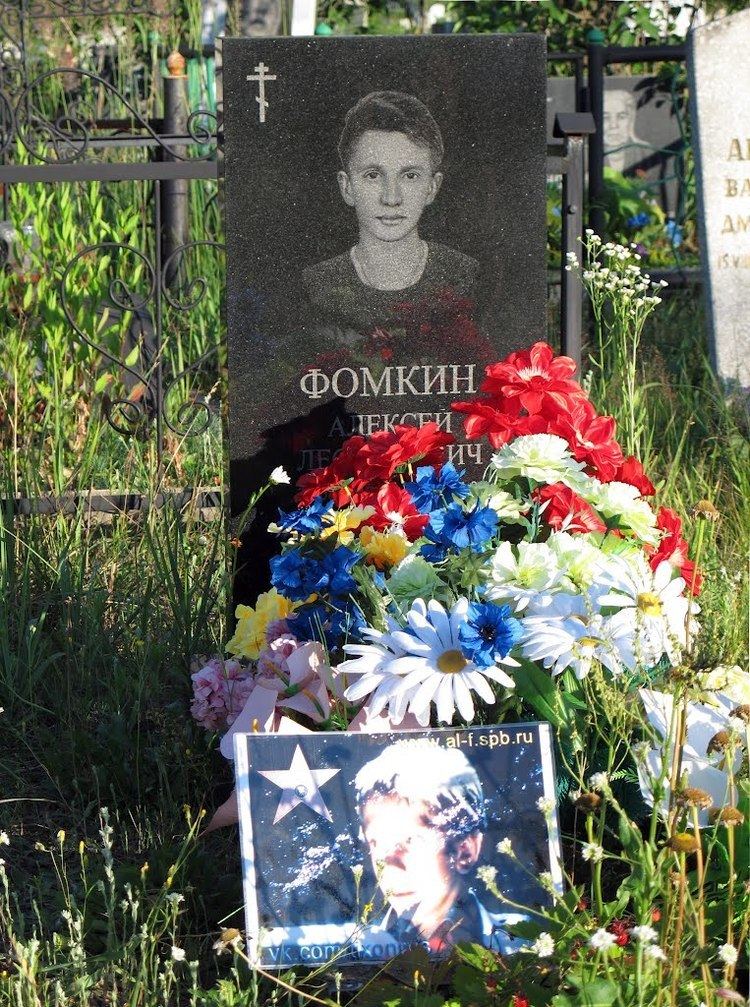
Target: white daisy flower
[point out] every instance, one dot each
(519, 576)
(653, 604)
(577, 641)
(429, 668)
(373, 663)
(544, 458)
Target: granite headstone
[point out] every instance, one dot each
(719, 69)
(385, 227)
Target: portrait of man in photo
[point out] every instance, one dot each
(390, 151)
(422, 814)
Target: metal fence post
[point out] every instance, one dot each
(573, 126)
(596, 51)
(174, 194)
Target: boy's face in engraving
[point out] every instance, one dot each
(389, 181)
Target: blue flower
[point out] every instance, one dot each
(453, 529)
(489, 633)
(330, 626)
(335, 573)
(294, 575)
(638, 220)
(307, 520)
(431, 491)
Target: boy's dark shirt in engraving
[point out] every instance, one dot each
(339, 298)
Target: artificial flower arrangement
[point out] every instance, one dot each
(405, 594)
(421, 591)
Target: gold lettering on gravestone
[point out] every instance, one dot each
(735, 225)
(737, 187)
(735, 149)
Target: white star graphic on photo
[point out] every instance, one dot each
(300, 786)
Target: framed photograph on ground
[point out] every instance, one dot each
(356, 847)
(384, 204)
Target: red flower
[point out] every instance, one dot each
(621, 930)
(631, 472)
(394, 507)
(674, 549)
(519, 1000)
(326, 480)
(591, 438)
(566, 511)
(484, 419)
(534, 377)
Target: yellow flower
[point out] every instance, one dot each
(252, 623)
(383, 548)
(344, 522)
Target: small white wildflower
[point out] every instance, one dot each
(728, 954)
(279, 476)
(602, 940)
(487, 874)
(545, 880)
(546, 805)
(654, 952)
(505, 846)
(178, 954)
(592, 852)
(599, 781)
(543, 946)
(175, 898)
(644, 934)
(4, 839)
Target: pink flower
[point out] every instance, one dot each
(220, 690)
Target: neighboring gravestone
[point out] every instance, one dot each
(385, 227)
(720, 92)
(642, 131)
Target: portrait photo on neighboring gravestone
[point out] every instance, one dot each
(385, 230)
(356, 847)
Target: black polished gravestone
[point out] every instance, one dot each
(385, 226)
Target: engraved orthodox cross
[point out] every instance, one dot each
(261, 75)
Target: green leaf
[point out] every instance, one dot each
(536, 687)
(597, 993)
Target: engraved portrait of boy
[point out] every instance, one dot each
(391, 151)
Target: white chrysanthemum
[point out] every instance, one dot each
(623, 501)
(429, 668)
(544, 458)
(653, 604)
(504, 504)
(580, 560)
(520, 573)
(576, 641)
